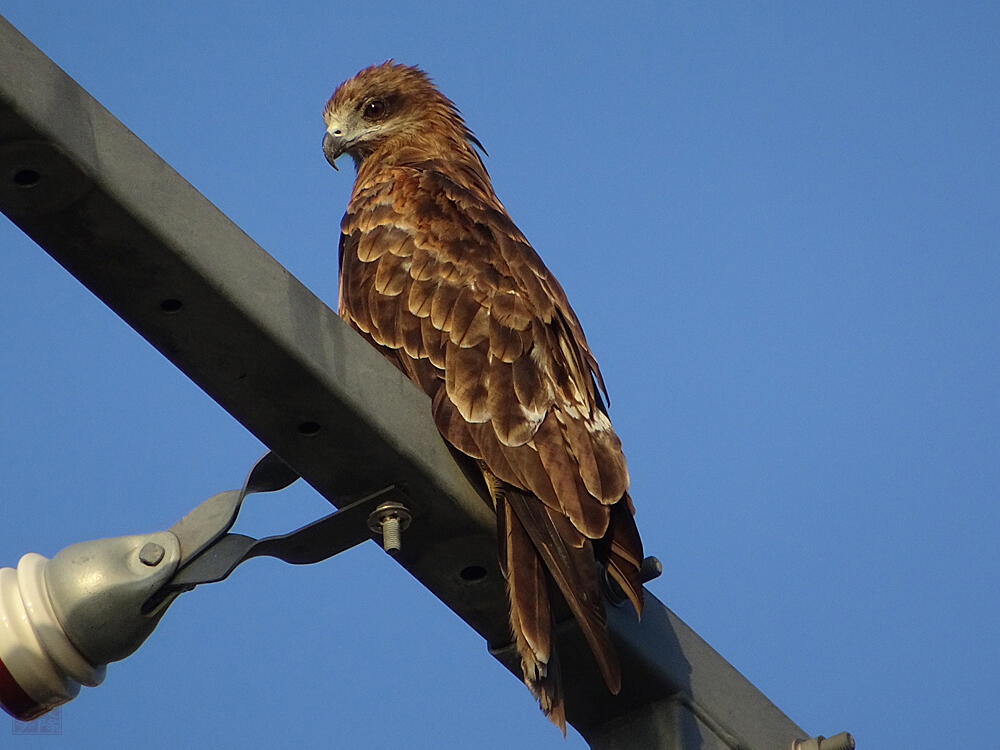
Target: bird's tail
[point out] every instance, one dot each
(530, 614)
(535, 539)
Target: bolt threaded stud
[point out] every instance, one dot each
(390, 520)
(391, 537)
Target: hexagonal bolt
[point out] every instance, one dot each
(390, 520)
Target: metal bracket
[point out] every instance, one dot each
(317, 541)
(208, 553)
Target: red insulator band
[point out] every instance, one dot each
(14, 700)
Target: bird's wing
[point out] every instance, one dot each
(445, 279)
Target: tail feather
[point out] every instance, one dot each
(573, 570)
(539, 545)
(530, 614)
(621, 552)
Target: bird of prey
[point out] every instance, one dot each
(434, 273)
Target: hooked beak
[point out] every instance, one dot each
(333, 146)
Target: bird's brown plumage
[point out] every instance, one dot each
(435, 274)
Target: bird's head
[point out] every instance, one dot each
(389, 104)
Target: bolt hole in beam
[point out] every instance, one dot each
(26, 178)
(309, 429)
(171, 306)
(472, 573)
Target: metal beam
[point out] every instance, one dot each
(215, 304)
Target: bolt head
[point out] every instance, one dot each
(389, 511)
(151, 554)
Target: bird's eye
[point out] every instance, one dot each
(374, 110)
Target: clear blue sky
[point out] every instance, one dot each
(778, 223)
